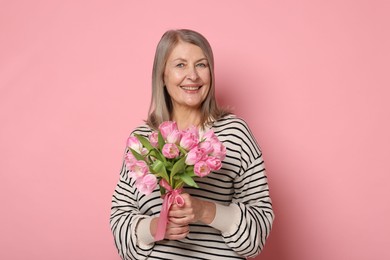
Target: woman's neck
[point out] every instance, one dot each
(185, 119)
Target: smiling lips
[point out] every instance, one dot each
(191, 87)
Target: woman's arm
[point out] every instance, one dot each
(124, 220)
(246, 223)
(247, 236)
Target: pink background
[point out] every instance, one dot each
(310, 77)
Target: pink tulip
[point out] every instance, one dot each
(138, 169)
(201, 169)
(167, 128)
(206, 147)
(129, 160)
(189, 139)
(219, 150)
(193, 131)
(146, 184)
(194, 156)
(170, 151)
(209, 135)
(174, 137)
(214, 163)
(153, 138)
(135, 144)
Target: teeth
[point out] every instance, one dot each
(190, 88)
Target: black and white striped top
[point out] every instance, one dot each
(240, 183)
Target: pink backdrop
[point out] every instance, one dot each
(310, 77)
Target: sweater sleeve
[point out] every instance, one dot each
(125, 218)
(251, 207)
(248, 236)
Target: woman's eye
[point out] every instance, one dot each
(180, 65)
(202, 65)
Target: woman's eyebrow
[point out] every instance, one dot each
(179, 59)
(202, 59)
(183, 59)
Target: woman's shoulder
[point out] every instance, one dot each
(143, 129)
(231, 121)
(235, 127)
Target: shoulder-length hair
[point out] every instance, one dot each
(161, 107)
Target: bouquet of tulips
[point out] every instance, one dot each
(172, 158)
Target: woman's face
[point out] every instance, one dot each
(187, 76)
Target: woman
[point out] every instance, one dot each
(230, 215)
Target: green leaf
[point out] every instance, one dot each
(188, 180)
(161, 141)
(137, 155)
(190, 171)
(178, 167)
(178, 184)
(159, 168)
(182, 150)
(169, 165)
(145, 142)
(158, 155)
(162, 190)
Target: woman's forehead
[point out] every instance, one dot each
(185, 51)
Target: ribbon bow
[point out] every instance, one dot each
(171, 197)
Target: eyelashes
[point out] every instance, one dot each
(199, 65)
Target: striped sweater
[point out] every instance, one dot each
(244, 213)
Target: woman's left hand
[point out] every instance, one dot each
(193, 210)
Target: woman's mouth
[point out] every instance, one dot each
(191, 88)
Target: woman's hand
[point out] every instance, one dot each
(172, 231)
(176, 232)
(193, 210)
(179, 218)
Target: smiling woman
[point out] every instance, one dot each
(229, 214)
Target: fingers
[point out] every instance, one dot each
(181, 216)
(184, 214)
(176, 232)
(181, 221)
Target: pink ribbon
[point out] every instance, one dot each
(171, 197)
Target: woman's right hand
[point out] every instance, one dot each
(176, 232)
(172, 232)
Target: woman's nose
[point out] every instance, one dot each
(193, 74)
